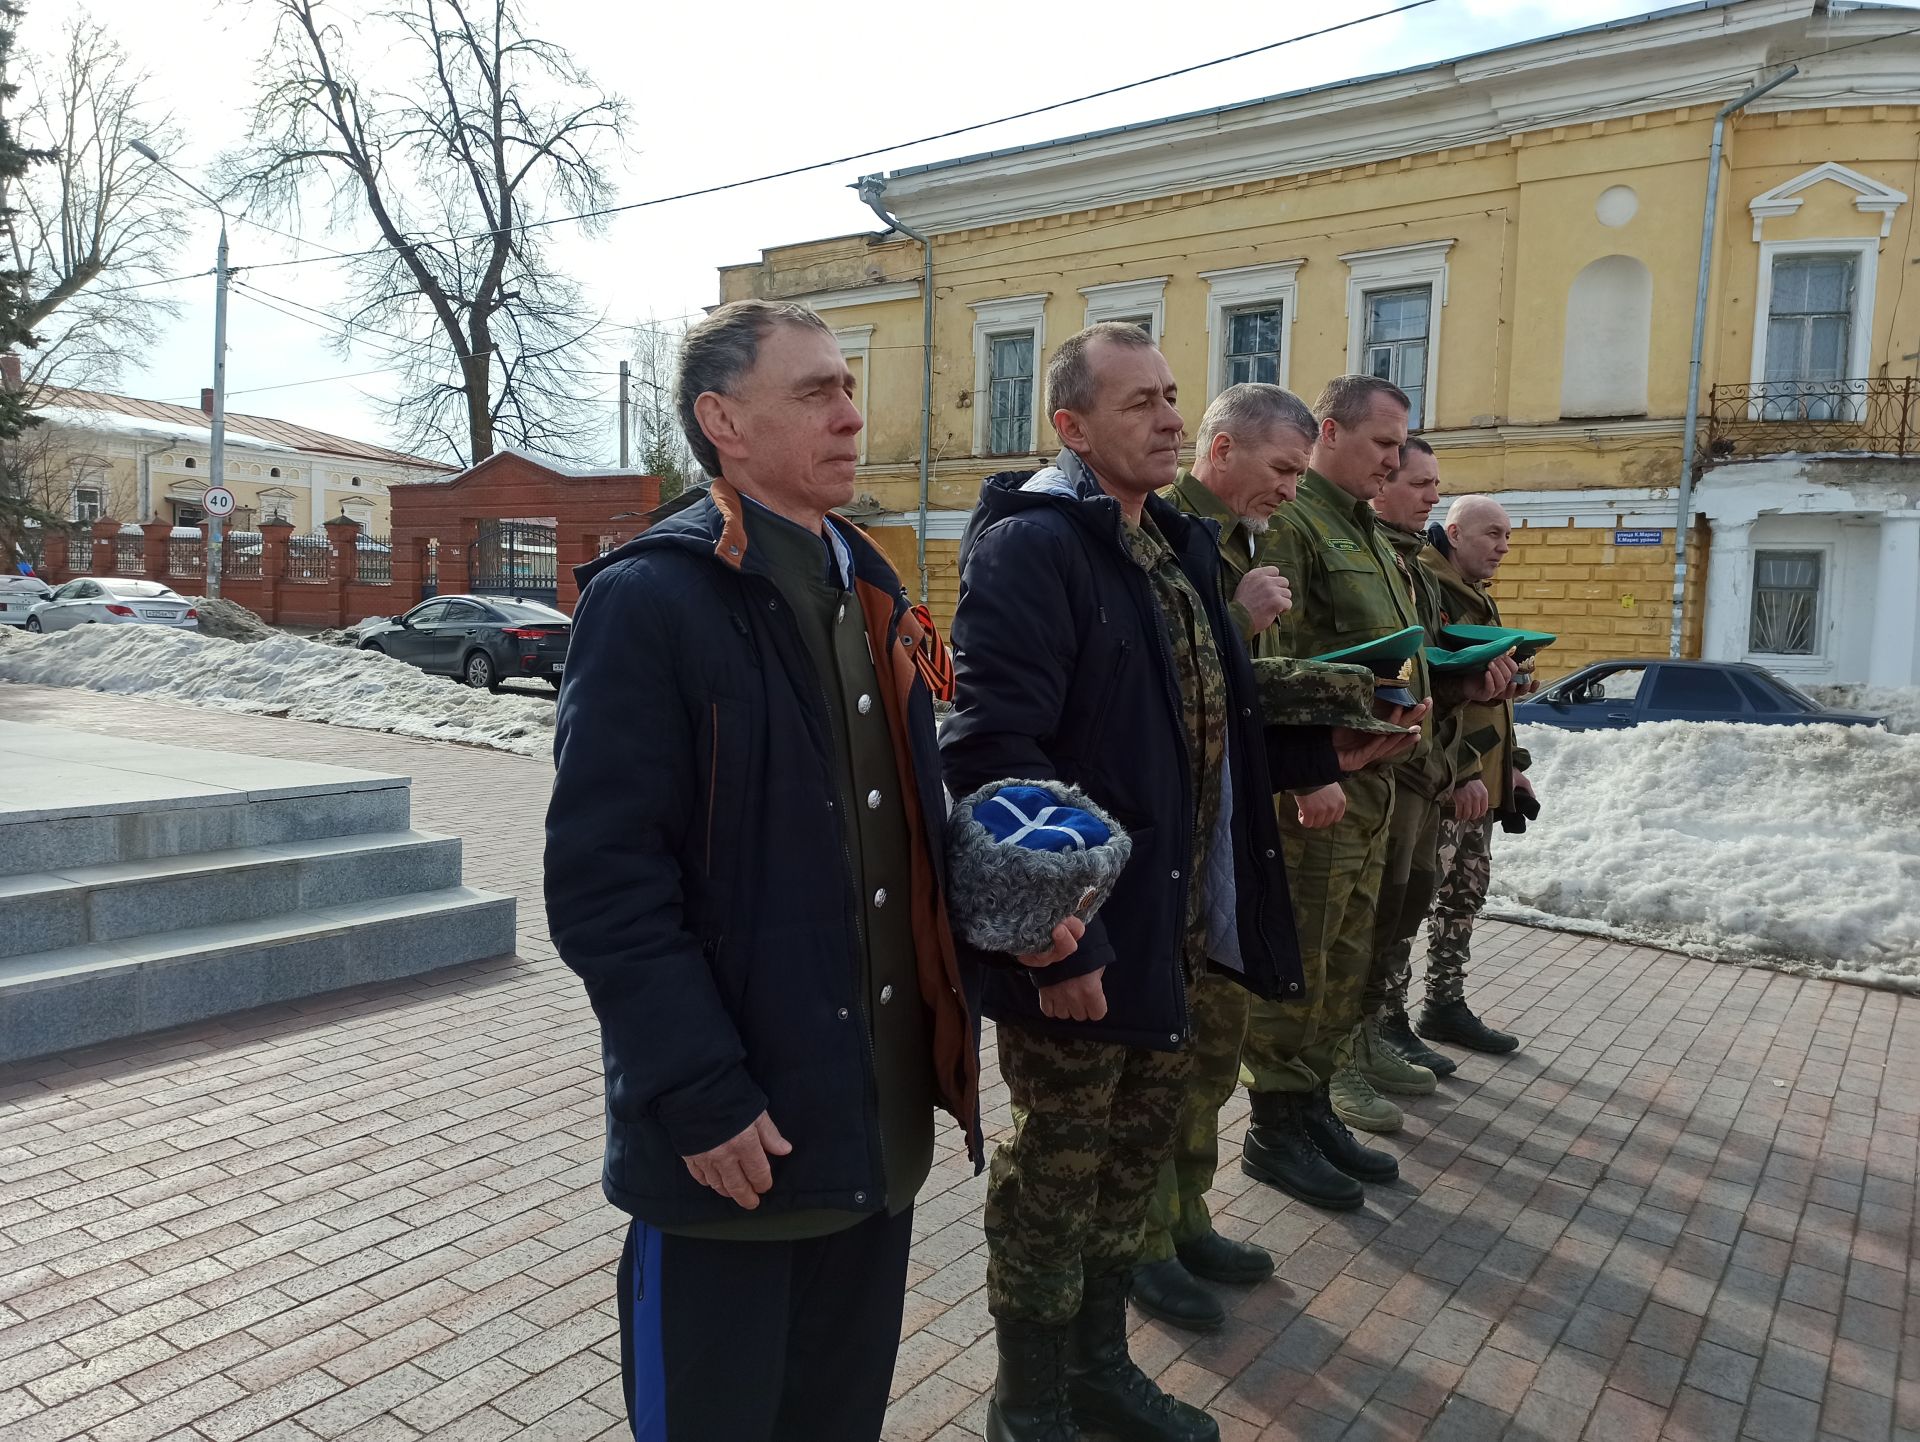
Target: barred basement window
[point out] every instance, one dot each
(1786, 603)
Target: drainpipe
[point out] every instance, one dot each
(872, 189)
(145, 502)
(1689, 435)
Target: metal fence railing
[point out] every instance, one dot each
(309, 560)
(376, 560)
(80, 547)
(240, 554)
(186, 556)
(1875, 416)
(130, 554)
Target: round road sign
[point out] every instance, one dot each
(218, 501)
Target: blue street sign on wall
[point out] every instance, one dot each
(1639, 538)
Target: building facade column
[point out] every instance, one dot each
(1729, 591)
(1895, 657)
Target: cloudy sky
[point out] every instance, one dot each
(722, 93)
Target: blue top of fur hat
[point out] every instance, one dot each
(1032, 817)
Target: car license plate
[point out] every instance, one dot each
(157, 613)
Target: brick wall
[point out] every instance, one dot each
(1603, 600)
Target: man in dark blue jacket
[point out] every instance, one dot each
(744, 866)
(1093, 645)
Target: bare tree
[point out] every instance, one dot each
(662, 450)
(485, 133)
(95, 221)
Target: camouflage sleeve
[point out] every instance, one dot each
(1242, 619)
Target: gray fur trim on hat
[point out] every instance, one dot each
(1009, 899)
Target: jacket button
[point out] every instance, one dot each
(1293, 986)
(1176, 873)
(880, 897)
(1246, 710)
(886, 993)
(873, 801)
(842, 1013)
(773, 605)
(1269, 853)
(865, 703)
(1174, 1037)
(860, 1198)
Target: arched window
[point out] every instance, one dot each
(191, 463)
(1609, 326)
(273, 470)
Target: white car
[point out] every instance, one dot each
(18, 596)
(115, 600)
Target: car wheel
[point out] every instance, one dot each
(478, 671)
(373, 646)
(33, 625)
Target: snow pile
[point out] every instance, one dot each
(230, 621)
(1794, 846)
(283, 676)
(1899, 704)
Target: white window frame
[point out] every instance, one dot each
(1129, 300)
(99, 501)
(1399, 267)
(1866, 253)
(1012, 315)
(1249, 287)
(856, 343)
(1817, 659)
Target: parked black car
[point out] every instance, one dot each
(1613, 695)
(480, 639)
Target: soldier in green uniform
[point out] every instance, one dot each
(1348, 588)
(1385, 1049)
(1491, 772)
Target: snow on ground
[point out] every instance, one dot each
(1792, 846)
(284, 676)
(230, 621)
(1899, 704)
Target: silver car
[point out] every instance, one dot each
(18, 596)
(113, 600)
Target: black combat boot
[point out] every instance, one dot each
(1221, 1259)
(1397, 1031)
(1280, 1153)
(1167, 1290)
(1331, 1138)
(1105, 1387)
(1454, 1021)
(1029, 1402)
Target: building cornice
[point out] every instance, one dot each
(1661, 62)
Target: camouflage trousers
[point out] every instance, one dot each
(1466, 866)
(1406, 894)
(1334, 874)
(1179, 1211)
(1093, 1123)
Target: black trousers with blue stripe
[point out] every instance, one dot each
(729, 1341)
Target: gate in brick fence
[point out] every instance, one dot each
(515, 558)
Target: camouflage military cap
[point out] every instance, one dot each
(1318, 693)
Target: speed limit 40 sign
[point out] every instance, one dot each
(218, 501)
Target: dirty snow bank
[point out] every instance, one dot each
(1793, 846)
(283, 676)
(229, 620)
(1899, 704)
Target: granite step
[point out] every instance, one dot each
(75, 996)
(45, 911)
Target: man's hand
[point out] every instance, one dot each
(1357, 750)
(742, 1168)
(1522, 785)
(1066, 941)
(1492, 684)
(1265, 594)
(1079, 998)
(1470, 801)
(1323, 808)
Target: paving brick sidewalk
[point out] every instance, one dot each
(1684, 1210)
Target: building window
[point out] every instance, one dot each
(1253, 346)
(1010, 391)
(1130, 302)
(1250, 312)
(1395, 298)
(356, 480)
(1810, 337)
(1009, 342)
(1395, 343)
(274, 509)
(86, 503)
(1786, 603)
(856, 345)
(273, 470)
(191, 463)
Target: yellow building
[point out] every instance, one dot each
(1515, 238)
(96, 456)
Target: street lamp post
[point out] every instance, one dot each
(217, 459)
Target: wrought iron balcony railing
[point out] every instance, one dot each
(1879, 416)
